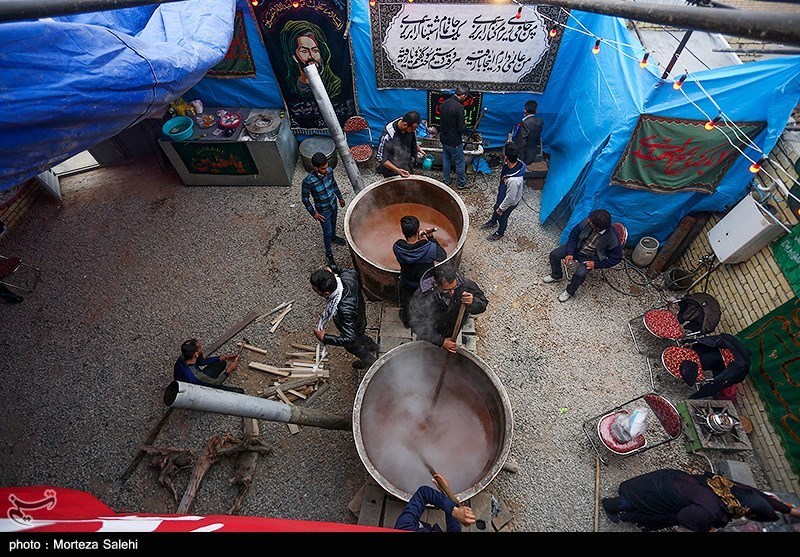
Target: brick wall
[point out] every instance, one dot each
(746, 292)
(17, 200)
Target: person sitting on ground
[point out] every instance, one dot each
(321, 185)
(416, 254)
(593, 243)
(345, 305)
(398, 147)
(698, 502)
(435, 306)
(455, 515)
(509, 193)
(192, 367)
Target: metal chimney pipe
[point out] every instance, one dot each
(209, 399)
(326, 109)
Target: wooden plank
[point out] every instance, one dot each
(293, 428)
(371, 505)
(273, 310)
(252, 348)
(481, 505)
(502, 519)
(229, 334)
(268, 369)
(305, 347)
(354, 506)
(392, 508)
(151, 437)
(297, 394)
(277, 320)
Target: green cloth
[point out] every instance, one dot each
(787, 254)
(774, 342)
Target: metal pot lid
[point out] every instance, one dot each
(264, 122)
(720, 422)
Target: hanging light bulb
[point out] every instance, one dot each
(372, 3)
(295, 4)
(756, 166)
(643, 63)
(519, 13)
(553, 31)
(678, 84)
(596, 48)
(255, 3)
(711, 124)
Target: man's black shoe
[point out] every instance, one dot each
(333, 267)
(464, 187)
(339, 241)
(488, 225)
(359, 365)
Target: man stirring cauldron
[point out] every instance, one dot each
(434, 308)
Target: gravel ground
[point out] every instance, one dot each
(134, 263)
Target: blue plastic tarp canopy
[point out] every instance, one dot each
(597, 101)
(68, 83)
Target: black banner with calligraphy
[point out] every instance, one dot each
(669, 155)
(437, 44)
(472, 107)
(222, 159)
(238, 61)
(312, 32)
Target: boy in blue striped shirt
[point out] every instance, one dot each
(320, 185)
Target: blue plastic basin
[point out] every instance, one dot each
(178, 128)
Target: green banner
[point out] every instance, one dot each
(238, 61)
(787, 254)
(774, 343)
(225, 159)
(668, 155)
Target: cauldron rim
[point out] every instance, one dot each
(462, 238)
(508, 432)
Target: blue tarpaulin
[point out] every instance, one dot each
(68, 83)
(74, 81)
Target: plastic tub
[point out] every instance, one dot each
(178, 128)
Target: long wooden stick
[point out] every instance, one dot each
(447, 357)
(149, 441)
(596, 493)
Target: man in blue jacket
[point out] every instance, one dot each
(192, 367)
(455, 515)
(593, 243)
(416, 254)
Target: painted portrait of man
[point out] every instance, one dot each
(304, 43)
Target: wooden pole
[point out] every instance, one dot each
(596, 493)
(457, 328)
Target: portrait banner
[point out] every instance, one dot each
(238, 61)
(669, 155)
(311, 32)
(472, 107)
(437, 44)
(787, 255)
(774, 344)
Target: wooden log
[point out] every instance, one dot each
(268, 369)
(246, 463)
(324, 374)
(293, 428)
(151, 437)
(322, 388)
(297, 394)
(207, 458)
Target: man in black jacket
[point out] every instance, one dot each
(398, 147)
(451, 133)
(416, 254)
(435, 306)
(346, 306)
(528, 135)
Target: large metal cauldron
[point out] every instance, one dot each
(372, 225)
(465, 436)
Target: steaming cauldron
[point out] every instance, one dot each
(372, 225)
(465, 436)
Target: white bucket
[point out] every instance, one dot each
(645, 251)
